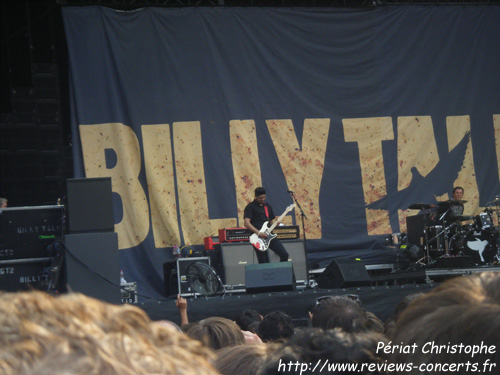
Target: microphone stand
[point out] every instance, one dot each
(302, 217)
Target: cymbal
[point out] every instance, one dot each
(420, 206)
(452, 202)
(494, 202)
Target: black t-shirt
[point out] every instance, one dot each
(257, 214)
(451, 208)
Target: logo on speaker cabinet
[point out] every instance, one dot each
(268, 276)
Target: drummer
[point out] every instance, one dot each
(450, 208)
(451, 212)
(457, 205)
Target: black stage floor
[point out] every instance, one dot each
(380, 300)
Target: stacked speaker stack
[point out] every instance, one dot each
(26, 234)
(91, 260)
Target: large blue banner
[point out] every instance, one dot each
(360, 112)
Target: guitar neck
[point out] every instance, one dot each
(277, 221)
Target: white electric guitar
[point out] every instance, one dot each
(262, 244)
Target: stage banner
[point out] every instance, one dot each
(360, 112)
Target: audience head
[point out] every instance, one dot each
(461, 311)
(374, 323)
(215, 332)
(244, 359)
(390, 324)
(254, 327)
(75, 334)
(339, 311)
(311, 345)
(276, 326)
(404, 303)
(3, 202)
(246, 318)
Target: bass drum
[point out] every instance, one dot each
(481, 245)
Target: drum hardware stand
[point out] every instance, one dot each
(453, 239)
(445, 232)
(427, 256)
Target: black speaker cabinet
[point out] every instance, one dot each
(343, 273)
(92, 266)
(170, 278)
(269, 277)
(90, 205)
(415, 228)
(235, 256)
(182, 281)
(296, 255)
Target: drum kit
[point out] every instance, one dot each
(448, 234)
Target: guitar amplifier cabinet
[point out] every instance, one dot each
(235, 256)
(296, 255)
(283, 232)
(287, 232)
(234, 234)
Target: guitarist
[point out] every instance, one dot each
(256, 214)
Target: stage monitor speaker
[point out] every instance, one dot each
(343, 273)
(182, 281)
(269, 277)
(296, 255)
(90, 205)
(235, 256)
(92, 266)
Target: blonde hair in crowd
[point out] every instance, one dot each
(75, 334)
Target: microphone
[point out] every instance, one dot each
(289, 192)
